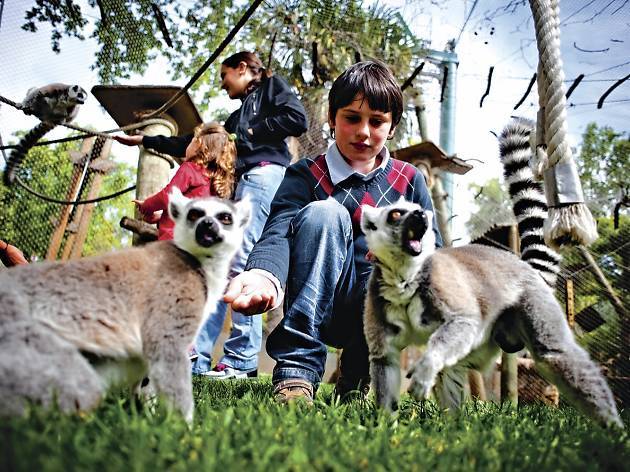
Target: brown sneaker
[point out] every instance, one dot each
(293, 389)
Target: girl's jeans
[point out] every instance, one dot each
(323, 301)
(241, 349)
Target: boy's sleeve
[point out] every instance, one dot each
(159, 201)
(272, 253)
(287, 117)
(423, 198)
(173, 146)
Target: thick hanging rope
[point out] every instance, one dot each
(569, 221)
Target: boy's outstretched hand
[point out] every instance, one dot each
(251, 293)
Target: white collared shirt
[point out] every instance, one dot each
(340, 170)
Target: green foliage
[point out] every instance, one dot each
(314, 41)
(105, 233)
(603, 166)
(129, 37)
(239, 427)
(494, 208)
(126, 31)
(65, 19)
(28, 222)
(608, 343)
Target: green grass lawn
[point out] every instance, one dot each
(238, 427)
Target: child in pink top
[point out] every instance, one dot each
(207, 171)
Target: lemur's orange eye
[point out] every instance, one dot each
(394, 216)
(225, 218)
(194, 214)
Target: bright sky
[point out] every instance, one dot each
(595, 36)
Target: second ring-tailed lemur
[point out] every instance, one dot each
(463, 302)
(53, 104)
(70, 330)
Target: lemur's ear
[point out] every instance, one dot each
(369, 215)
(243, 211)
(176, 203)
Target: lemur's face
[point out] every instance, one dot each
(399, 229)
(207, 226)
(77, 95)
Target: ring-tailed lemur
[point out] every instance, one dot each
(53, 104)
(69, 330)
(462, 303)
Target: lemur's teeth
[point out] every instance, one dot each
(410, 234)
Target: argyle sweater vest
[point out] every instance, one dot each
(386, 187)
(309, 180)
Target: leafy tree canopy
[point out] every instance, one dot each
(310, 41)
(494, 208)
(603, 167)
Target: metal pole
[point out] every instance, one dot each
(447, 120)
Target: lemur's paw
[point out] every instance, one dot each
(422, 380)
(419, 389)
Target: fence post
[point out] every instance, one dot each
(99, 166)
(57, 236)
(570, 303)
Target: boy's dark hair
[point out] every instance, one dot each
(375, 82)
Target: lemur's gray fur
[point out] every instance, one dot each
(452, 300)
(467, 303)
(53, 104)
(69, 330)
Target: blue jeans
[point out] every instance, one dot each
(241, 349)
(323, 300)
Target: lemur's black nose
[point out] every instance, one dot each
(418, 218)
(207, 232)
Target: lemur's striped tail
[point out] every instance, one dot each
(20, 152)
(528, 199)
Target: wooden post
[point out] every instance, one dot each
(609, 291)
(57, 236)
(98, 168)
(509, 362)
(570, 303)
(153, 171)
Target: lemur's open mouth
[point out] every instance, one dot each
(207, 233)
(413, 229)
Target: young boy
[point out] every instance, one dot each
(312, 251)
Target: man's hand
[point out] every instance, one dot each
(251, 293)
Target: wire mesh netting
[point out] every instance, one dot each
(96, 42)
